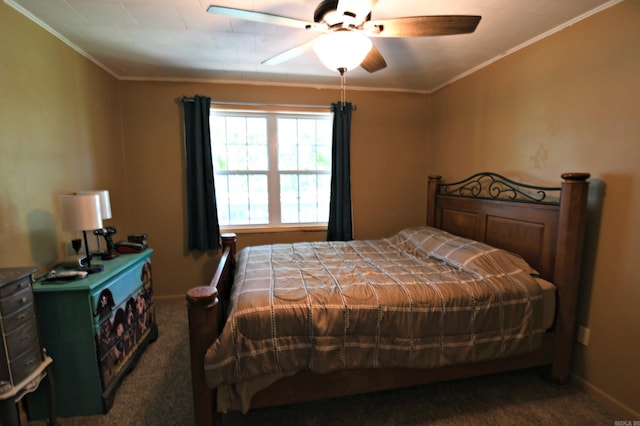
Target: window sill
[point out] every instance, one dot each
(273, 229)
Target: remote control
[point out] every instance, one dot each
(66, 275)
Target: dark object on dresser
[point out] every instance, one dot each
(107, 233)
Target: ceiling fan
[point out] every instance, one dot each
(347, 21)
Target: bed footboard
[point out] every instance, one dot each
(206, 315)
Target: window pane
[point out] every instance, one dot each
(258, 200)
(287, 131)
(304, 198)
(324, 191)
(257, 144)
(306, 132)
(236, 143)
(218, 131)
(323, 152)
(238, 199)
(242, 199)
(241, 143)
(289, 198)
(307, 157)
(287, 144)
(304, 144)
(222, 198)
(308, 198)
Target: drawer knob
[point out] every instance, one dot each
(23, 300)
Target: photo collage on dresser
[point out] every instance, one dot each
(123, 327)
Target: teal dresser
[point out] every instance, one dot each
(95, 329)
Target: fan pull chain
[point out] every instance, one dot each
(343, 87)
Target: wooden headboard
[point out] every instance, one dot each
(521, 218)
(545, 225)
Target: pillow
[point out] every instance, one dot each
(424, 238)
(463, 253)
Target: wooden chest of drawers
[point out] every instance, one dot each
(23, 363)
(95, 329)
(20, 353)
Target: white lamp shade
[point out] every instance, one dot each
(342, 49)
(81, 212)
(105, 203)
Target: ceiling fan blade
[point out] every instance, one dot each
(267, 18)
(421, 26)
(373, 61)
(289, 54)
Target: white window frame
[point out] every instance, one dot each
(273, 174)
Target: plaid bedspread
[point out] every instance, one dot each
(422, 298)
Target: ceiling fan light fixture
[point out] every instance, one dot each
(342, 49)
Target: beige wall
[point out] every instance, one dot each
(60, 132)
(570, 102)
(388, 152)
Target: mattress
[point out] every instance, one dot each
(548, 302)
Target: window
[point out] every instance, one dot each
(271, 169)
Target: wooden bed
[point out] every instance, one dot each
(544, 225)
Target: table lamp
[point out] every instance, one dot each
(105, 210)
(81, 212)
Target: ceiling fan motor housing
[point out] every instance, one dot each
(327, 6)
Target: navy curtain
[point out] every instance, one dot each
(202, 212)
(340, 226)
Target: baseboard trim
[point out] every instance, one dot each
(625, 412)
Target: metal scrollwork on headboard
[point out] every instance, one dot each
(495, 187)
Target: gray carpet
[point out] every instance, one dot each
(158, 392)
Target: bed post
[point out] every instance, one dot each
(202, 303)
(571, 228)
(205, 320)
(432, 191)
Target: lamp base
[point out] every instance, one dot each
(91, 269)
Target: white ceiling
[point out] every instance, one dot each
(178, 40)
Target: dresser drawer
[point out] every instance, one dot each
(17, 319)
(25, 364)
(107, 300)
(22, 339)
(16, 301)
(15, 286)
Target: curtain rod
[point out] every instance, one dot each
(260, 104)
